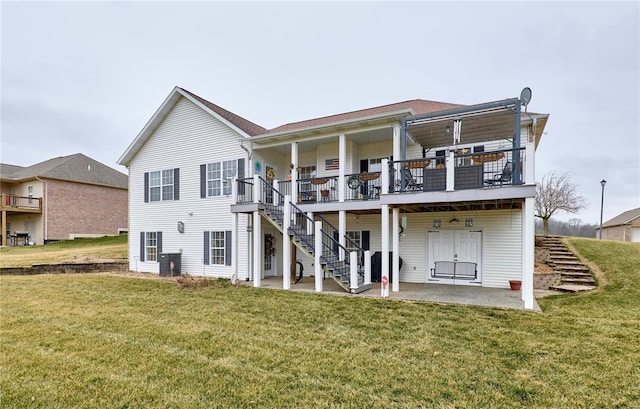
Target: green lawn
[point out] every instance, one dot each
(99, 341)
(108, 247)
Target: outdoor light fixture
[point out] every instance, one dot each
(468, 222)
(436, 223)
(602, 183)
(454, 220)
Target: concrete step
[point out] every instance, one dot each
(572, 288)
(588, 281)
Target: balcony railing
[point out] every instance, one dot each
(458, 171)
(469, 171)
(21, 203)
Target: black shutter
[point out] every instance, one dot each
(142, 252)
(206, 248)
(146, 187)
(203, 181)
(176, 184)
(227, 248)
(365, 240)
(241, 176)
(364, 165)
(159, 243)
(336, 237)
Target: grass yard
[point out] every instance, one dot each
(100, 341)
(111, 247)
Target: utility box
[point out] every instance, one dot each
(170, 264)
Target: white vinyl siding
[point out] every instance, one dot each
(187, 138)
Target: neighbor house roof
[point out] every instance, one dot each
(623, 218)
(75, 168)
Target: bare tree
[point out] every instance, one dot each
(557, 193)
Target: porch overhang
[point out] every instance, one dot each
(480, 123)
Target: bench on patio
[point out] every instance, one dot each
(462, 270)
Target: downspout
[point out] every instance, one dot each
(45, 223)
(249, 218)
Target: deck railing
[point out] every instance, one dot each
(470, 171)
(18, 203)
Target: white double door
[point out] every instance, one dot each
(455, 245)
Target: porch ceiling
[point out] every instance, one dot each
(493, 121)
(497, 204)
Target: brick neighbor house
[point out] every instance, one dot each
(60, 199)
(623, 227)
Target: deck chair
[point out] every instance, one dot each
(410, 182)
(501, 178)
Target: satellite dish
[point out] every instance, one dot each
(525, 96)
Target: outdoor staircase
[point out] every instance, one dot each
(301, 234)
(574, 275)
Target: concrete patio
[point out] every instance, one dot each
(435, 293)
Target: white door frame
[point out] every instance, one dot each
(454, 256)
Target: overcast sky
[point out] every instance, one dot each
(85, 77)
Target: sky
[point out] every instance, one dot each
(85, 77)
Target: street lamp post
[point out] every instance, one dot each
(602, 183)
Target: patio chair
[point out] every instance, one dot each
(410, 182)
(501, 178)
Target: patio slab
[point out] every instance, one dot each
(436, 293)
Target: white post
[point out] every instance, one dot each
(310, 226)
(384, 178)
(384, 286)
(317, 252)
(342, 231)
(286, 245)
(450, 165)
(530, 164)
(256, 188)
(257, 248)
(367, 267)
(397, 143)
(395, 240)
(234, 247)
(294, 172)
(234, 190)
(342, 159)
(277, 189)
(353, 270)
(528, 248)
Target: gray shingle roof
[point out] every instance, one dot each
(247, 126)
(623, 218)
(76, 168)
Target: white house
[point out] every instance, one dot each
(411, 192)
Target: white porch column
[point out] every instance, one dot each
(528, 248)
(257, 260)
(397, 143)
(316, 255)
(342, 160)
(310, 226)
(367, 267)
(384, 276)
(353, 270)
(450, 171)
(256, 188)
(530, 164)
(395, 240)
(384, 178)
(277, 189)
(342, 231)
(286, 245)
(234, 247)
(234, 191)
(294, 172)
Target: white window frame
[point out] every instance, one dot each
(220, 177)
(217, 247)
(161, 185)
(151, 246)
(352, 235)
(307, 172)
